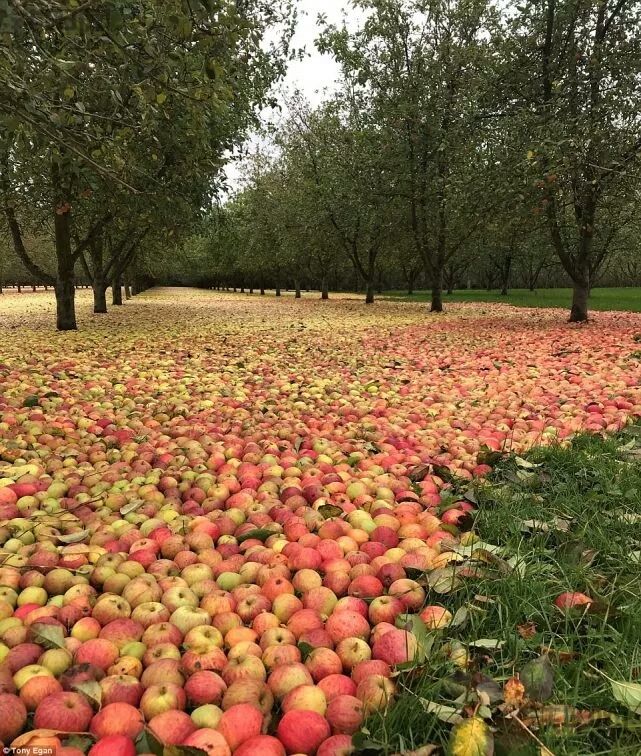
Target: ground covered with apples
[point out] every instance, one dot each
(269, 526)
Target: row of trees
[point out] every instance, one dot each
(466, 143)
(116, 118)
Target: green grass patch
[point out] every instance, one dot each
(627, 299)
(571, 522)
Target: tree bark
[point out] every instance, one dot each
(277, 290)
(127, 290)
(116, 290)
(262, 291)
(369, 292)
(437, 291)
(297, 289)
(324, 289)
(65, 284)
(98, 282)
(507, 267)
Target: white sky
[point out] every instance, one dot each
(316, 75)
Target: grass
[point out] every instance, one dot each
(595, 488)
(628, 299)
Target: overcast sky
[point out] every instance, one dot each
(316, 74)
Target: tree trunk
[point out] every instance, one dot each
(437, 291)
(127, 290)
(277, 290)
(369, 292)
(297, 289)
(116, 290)
(324, 289)
(251, 289)
(262, 290)
(19, 288)
(580, 294)
(507, 267)
(65, 283)
(99, 299)
(98, 282)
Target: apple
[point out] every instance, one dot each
(395, 647)
(117, 719)
(205, 687)
(113, 745)
(208, 740)
(160, 698)
(322, 662)
(239, 723)
(302, 731)
(13, 716)
(121, 689)
(250, 691)
(376, 692)
(567, 601)
(172, 727)
(207, 715)
(64, 711)
(345, 714)
(336, 745)
(307, 697)
(352, 651)
(261, 745)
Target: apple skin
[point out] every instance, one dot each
(64, 711)
(337, 745)
(172, 727)
(205, 687)
(208, 740)
(36, 689)
(347, 624)
(570, 600)
(337, 685)
(376, 692)
(307, 697)
(121, 689)
(261, 745)
(117, 719)
(254, 692)
(207, 715)
(345, 714)
(160, 698)
(302, 731)
(436, 617)
(13, 716)
(287, 677)
(239, 723)
(113, 745)
(395, 647)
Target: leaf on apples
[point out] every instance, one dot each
(48, 636)
(77, 537)
(305, 649)
(183, 750)
(260, 534)
(537, 677)
(330, 510)
(31, 401)
(83, 742)
(132, 506)
(471, 737)
(147, 742)
(91, 690)
(444, 580)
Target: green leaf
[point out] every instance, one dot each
(183, 750)
(91, 690)
(538, 678)
(627, 693)
(261, 534)
(48, 636)
(31, 401)
(305, 649)
(415, 625)
(448, 714)
(147, 742)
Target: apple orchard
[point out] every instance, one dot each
(223, 519)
